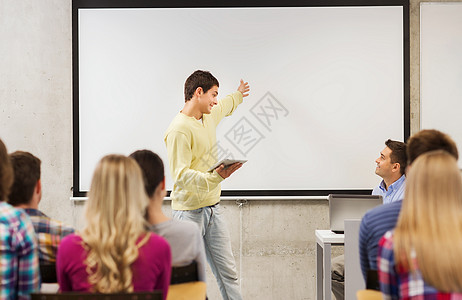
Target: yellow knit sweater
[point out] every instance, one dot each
(191, 149)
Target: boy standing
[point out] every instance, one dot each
(190, 141)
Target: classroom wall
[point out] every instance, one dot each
(273, 241)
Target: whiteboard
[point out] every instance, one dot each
(441, 68)
(327, 88)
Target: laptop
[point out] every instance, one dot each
(344, 207)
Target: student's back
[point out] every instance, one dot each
(185, 242)
(373, 226)
(26, 193)
(115, 252)
(185, 238)
(149, 269)
(19, 269)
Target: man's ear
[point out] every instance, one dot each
(38, 187)
(38, 191)
(396, 167)
(161, 186)
(199, 91)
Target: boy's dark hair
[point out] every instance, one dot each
(203, 79)
(6, 172)
(152, 167)
(398, 154)
(429, 140)
(26, 169)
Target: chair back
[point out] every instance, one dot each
(156, 295)
(184, 274)
(372, 280)
(185, 284)
(48, 272)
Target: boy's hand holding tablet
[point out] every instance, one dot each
(226, 167)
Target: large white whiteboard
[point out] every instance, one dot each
(327, 87)
(441, 68)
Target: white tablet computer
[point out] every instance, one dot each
(227, 163)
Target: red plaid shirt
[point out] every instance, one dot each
(396, 283)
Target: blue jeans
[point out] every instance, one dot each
(217, 247)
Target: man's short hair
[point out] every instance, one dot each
(203, 79)
(429, 140)
(6, 172)
(152, 168)
(398, 154)
(26, 169)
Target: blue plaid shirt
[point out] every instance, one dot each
(19, 265)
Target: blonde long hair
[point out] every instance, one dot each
(114, 214)
(429, 227)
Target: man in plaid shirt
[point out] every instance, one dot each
(19, 268)
(26, 193)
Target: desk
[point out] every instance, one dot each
(324, 240)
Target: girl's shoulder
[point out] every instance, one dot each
(156, 240)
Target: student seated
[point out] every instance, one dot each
(184, 236)
(19, 267)
(26, 193)
(418, 259)
(114, 252)
(383, 218)
(391, 165)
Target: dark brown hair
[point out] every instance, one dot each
(26, 168)
(6, 173)
(203, 79)
(398, 154)
(152, 168)
(429, 140)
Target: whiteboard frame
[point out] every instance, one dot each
(81, 4)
